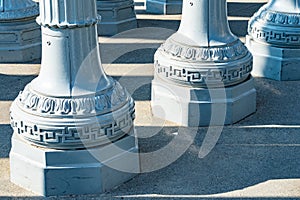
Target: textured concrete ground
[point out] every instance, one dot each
(257, 158)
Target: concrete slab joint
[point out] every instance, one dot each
(274, 40)
(203, 71)
(73, 124)
(116, 16)
(20, 35)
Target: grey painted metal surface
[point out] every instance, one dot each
(164, 6)
(20, 35)
(116, 16)
(202, 72)
(71, 109)
(274, 40)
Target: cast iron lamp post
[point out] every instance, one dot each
(199, 63)
(73, 124)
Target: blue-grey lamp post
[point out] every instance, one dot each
(274, 40)
(73, 124)
(203, 68)
(116, 16)
(20, 35)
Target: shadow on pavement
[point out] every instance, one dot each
(11, 85)
(5, 140)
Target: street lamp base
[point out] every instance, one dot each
(20, 41)
(277, 63)
(116, 16)
(193, 107)
(115, 27)
(49, 172)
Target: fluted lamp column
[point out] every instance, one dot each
(20, 35)
(203, 58)
(274, 40)
(68, 121)
(116, 16)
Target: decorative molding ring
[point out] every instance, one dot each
(75, 134)
(215, 66)
(72, 123)
(275, 27)
(233, 51)
(65, 25)
(277, 18)
(204, 76)
(67, 15)
(104, 102)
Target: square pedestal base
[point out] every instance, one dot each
(282, 64)
(73, 172)
(164, 6)
(194, 107)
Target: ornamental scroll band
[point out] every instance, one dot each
(202, 76)
(107, 101)
(70, 136)
(275, 27)
(233, 51)
(277, 18)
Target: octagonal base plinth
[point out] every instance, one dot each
(277, 63)
(20, 55)
(115, 27)
(50, 172)
(194, 107)
(116, 16)
(20, 41)
(164, 6)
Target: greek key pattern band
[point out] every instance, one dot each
(64, 137)
(204, 76)
(275, 27)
